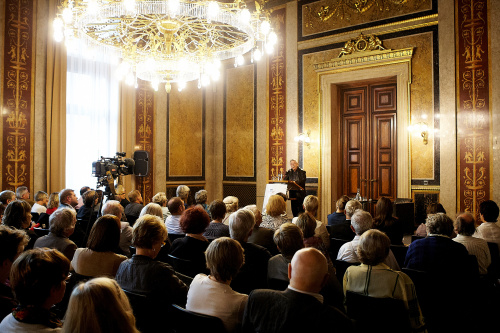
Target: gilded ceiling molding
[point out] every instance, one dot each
(18, 95)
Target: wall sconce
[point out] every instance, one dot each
(421, 128)
(304, 138)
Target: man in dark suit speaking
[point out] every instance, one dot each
(296, 187)
(300, 307)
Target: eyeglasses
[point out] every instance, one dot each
(163, 244)
(66, 280)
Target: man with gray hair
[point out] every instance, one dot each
(342, 230)
(22, 193)
(62, 225)
(41, 200)
(253, 273)
(114, 207)
(361, 221)
(183, 193)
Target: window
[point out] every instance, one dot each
(92, 105)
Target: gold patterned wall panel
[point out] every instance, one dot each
(473, 114)
(18, 94)
(327, 15)
(421, 100)
(239, 122)
(185, 132)
(144, 136)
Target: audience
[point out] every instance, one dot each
(300, 307)
(142, 274)
(384, 221)
(17, 215)
(261, 236)
(12, 243)
(338, 216)
(307, 225)
(99, 257)
(133, 209)
(361, 221)
(275, 208)
(53, 203)
(86, 217)
(465, 227)
(212, 295)
(433, 208)
(160, 198)
(62, 225)
(192, 247)
(232, 204)
(489, 229)
(216, 228)
(99, 306)
(22, 193)
(343, 230)
(80, 199)
(121, 196)
(176, 208)
(182, 192)
(41, 200)
(113, 207)
(68, 199)
(253, 274)
(38, 279)
(6, 197)
(152, 209)
(311, 205)
(375, 279)
(200, 198)
(288, 239)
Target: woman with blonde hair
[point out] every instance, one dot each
(152, 209)
(99, 305)
(53, 202)
(275, 208)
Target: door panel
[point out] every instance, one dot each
(368, 138)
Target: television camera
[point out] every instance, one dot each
(109, 168)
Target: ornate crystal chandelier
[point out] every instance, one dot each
(167, 40)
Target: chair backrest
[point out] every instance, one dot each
(335, 245)
(340, 268)
(494, 269)
(44, 220)
(399, 252)
(172, 237)
(329, 229)
(40, 232)
(149, 313)
(277, 284)
(35, 217)
(183, 266)
(377, 314)
(185, 321)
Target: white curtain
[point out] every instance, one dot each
(92, 104)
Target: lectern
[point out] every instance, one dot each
(277, 186)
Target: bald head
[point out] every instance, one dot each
(465, 224)
(308, 270)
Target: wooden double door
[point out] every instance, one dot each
(368, 139)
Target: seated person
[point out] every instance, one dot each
(17, 215)
(489, 230)
(176, 208)
(142, 274)
(253, 274)
(6, 197)
(99, 305)
(433, 208)
(53, 203)
(41, 200)
(12, 243)
(465, 227)
(192, 247)
(338, 216)
(62, 225)
(99, 257)
(307, 225)
(288, 239)
(200, 198)
(300, 307)
(212, 295)
(152, 209)
(161, 199)
(261, 236)
(38, 279)
(86, 217)
(275, 209)
(216, 228)
(183, 192)
(375, 279)
(113, 207)
(311, 205)
(231, 207)
(362, 221)
(133, 209)
(384, 221)
(343, 230)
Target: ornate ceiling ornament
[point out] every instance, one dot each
(362, 44)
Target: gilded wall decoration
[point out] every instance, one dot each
(144, 135)
(239, 123)
(18, 99)
(473, 125)
(277, 98)
(327, 15)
